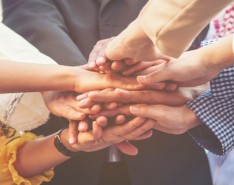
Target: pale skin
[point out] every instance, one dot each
(194, 67)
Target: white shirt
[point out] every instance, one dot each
(22, 111)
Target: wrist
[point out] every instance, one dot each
(64, 136)
(219, 55)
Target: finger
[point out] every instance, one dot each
(138, 67)
(161, 128)
(143, 110)
(157, 65)
(145, 135)
(150, 81)
(97, 53)
(124, 129)
(86, 103)
(101, 60)
(160, 75)
(92, 58)
(117, 95)
(111, 105)
(72, 132)
(97, 130)
(146, 126)
(129, 61)
(103, 96)
(72, 114)
(120, 119)
(82, 96)
(102, 121)
(127, 148)
(170, 86)
(83, 126)
(123, 110)
(95, 109)
(117, 65)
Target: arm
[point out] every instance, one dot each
(159, 31)
(18, 77)
(33, 157)
(194, 67)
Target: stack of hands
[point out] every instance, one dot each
(119, 100)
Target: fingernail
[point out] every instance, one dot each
(82, 127)
(134, 109)
(81, 97)
(100, 60)
(122, 91)
(91, 64)
(83, 102)
(141, 78)
(72, 140)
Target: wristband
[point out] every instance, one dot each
(60, 146)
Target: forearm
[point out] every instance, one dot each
(172, 26)
(219, 54)
(37, 156)
(22, 77)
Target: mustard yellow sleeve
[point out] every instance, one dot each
(8, 154)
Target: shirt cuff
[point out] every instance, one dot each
(223, 85)
(218, 117)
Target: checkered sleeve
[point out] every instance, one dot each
(216, 110)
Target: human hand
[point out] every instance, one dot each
(172, 120)
(99, 138)
(133, 43)
(99, 62)
(89, 80)
(168, 119)
(174, 98)
(191, 69)
(64, 104)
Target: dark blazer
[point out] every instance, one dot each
(66, 30)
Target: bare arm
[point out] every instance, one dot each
(22, 77)
(39, 155)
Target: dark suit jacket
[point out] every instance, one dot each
(66, 30)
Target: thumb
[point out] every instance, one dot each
(145, 111)
(157, 77)
(113, 52)
(127, 148)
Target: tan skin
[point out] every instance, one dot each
(33, 157)
(26, 77)
(195, 67)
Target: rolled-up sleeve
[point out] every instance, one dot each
(172, 26)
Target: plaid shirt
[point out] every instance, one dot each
(215, 108)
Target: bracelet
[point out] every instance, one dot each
(60, 146)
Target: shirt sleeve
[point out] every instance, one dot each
(172, 26)
(215, 109)
(8, 154)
